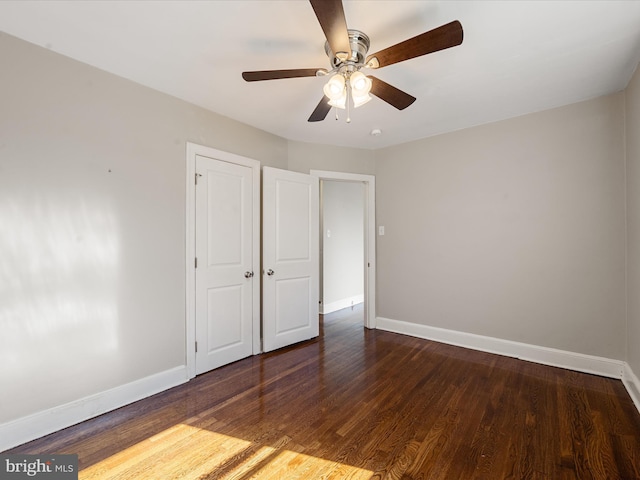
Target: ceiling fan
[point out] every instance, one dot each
(347, 51)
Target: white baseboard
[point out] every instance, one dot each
(25, 429)
(632, 384)
(548, 356)
(340, 304)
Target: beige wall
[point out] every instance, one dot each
(632, 109)
(514, 230)
(92, 222)
(303, 157)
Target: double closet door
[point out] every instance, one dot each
(229, 274)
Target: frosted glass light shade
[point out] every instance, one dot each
(360, 84)
(360, 100)
(339, 102)
(335, 90)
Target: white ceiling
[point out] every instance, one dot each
(517, 57)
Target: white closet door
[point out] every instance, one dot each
(224, 272)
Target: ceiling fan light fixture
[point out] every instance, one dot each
(340, 102)
(359, 100)
(336, 90)
(335, 87)
(360, 88)
(360, 84)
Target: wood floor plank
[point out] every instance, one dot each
(359, 404)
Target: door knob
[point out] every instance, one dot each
(270, 272)
(248, 274)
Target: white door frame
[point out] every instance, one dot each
(369, 182)
(190, 251)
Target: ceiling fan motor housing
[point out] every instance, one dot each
(359, 43)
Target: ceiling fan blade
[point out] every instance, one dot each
(320, 113)
(330, 14)
(278, 74)
(445, 36)
(390, 94)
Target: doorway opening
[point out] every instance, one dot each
(347, 243)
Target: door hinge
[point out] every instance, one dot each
(196, 347)
(197, 175)
(195, 263)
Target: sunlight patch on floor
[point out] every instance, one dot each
(188, 452)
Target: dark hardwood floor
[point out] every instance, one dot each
(356, 403)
